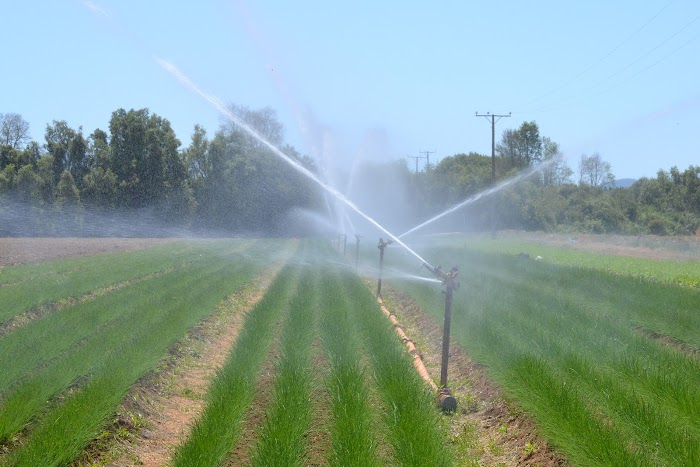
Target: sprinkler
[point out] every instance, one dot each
(357, 251)
(445, 398)
(382, 244)
(345, 244)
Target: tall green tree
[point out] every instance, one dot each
(520, 148)
(59, 137)
(145, 159)
(241, 185)
(67, 193)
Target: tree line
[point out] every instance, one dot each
(137, 174)
(107, 182)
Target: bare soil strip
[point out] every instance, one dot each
(485, 429)
(678, 345)
(168, 402)
(32, 250)
(648, 246)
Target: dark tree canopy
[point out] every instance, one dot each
(111, 182)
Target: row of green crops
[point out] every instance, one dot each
(566, 343)
(98, 348)
(373, 392)
(217, 429)
(29, 286)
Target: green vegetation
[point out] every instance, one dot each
(218, 428)
(29, 286)
(287, 420)
(568, 345)
(135, 176)
(352, 431)
(102, 367)
(675, 271)
(352, 331)
(414, 428)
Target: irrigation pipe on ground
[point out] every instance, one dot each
(445, 399)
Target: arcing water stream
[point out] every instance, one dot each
(219, 106)
(484, 193)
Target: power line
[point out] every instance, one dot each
(596, 62)
(491, 116)
(591, 90)
(427, 157)
(416, 158)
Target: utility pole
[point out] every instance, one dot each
(494, 118)
(416, 158)
(427, 158)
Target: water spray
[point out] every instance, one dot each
(382, 245)
(219, 106)
(484, 193)
(448, 279)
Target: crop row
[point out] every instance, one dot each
(380, 410)
(565, 342)
(29, 286)
(84, 359)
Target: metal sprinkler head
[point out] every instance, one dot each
(384, 243)
(448, 279)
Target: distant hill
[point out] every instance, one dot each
(621, 183)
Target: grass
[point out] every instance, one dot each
(415, 431)
(353, 434)
(217, 429)
(563, 341)
(682, 272)
(28, 286)
(287, 420)
(364, 356)
(71, 421)
(47, 340)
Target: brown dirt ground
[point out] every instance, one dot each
(645, 246)
(31, 250)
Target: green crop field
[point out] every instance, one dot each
(338, 385)
(601, 355)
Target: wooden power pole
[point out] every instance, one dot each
(494, 118)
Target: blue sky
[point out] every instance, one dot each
(379, 80)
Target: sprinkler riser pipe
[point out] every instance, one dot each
(381, 267)
(446, 336)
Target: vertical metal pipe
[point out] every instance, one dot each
(381, 267)
(446, 336)
(345, 244)
(357, 251)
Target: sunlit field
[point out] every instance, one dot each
(601, 355)
(340, 386)
(601, 351)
